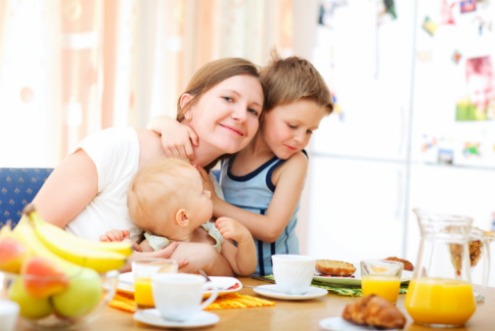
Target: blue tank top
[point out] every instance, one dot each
(254, 192)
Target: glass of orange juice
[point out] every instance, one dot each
(142, 270)
(381, 277)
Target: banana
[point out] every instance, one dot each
(58, 235)
(24, 232)
(76, 250)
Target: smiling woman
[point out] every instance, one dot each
(105, 74)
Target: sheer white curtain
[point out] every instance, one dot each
(70, 67)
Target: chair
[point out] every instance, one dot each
(18, 186)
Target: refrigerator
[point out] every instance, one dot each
(413, 126)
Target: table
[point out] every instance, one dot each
(285, 315)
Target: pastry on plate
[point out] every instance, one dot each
(335, 268)
(407, 265)
(375, 311)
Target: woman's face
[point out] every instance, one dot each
(226, 117)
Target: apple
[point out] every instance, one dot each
(12, 254)
(30, 307)
(43, 277)
(82, 295)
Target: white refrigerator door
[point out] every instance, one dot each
(355, 209)
(452, 190)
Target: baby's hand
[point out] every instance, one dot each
(207, 183)
(115, 235)
(232, 229)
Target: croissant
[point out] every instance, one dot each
(375, 311)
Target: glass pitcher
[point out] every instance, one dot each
(440, 293)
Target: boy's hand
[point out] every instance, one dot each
(232, 229)
(177, 139)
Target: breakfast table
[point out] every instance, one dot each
(284, 315)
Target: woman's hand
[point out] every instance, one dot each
(177, 139)
(165, 253)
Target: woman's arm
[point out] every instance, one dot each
(289, 180)
(68, 190)
(177, 139)
(201, 256)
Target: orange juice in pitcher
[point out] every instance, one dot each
(440, 293)
(440, 301)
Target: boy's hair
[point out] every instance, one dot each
(213, 73)
(293, 78)
(155, 193)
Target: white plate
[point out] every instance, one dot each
(272, 291)
(340, 324)
(224, 284)
(152, 317)
(354, 281)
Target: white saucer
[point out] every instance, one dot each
(152, 317)
(272, 291)
(339, 324)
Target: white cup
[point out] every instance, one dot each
(178, 297)
(9, 311)
(293, 273)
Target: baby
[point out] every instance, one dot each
(167, 200)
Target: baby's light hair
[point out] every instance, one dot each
(157, 191)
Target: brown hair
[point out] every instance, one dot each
(293, 78)
(153, 196)
(213, 73)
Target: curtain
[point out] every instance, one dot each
(70, 67)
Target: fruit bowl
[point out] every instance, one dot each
(72, 305)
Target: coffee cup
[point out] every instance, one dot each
(178, 297)
(9, 312)
(143, 269)
(293, 273)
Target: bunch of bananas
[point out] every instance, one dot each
(55, 271)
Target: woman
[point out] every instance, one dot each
(86, 193)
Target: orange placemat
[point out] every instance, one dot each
(125, 302)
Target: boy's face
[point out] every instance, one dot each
(287, 129)
(226, 117)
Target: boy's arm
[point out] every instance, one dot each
(177, 139)
(289, 186)
(242, 258)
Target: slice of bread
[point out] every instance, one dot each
(335, 268)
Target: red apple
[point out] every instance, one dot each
(43, 277)
(12, 254)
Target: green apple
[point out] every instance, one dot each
(81, 296)
(30, 307)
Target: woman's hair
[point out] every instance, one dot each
(157, 191)
(293, 78)
(213, 73)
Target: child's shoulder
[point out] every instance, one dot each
(298, 161)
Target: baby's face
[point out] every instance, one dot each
(198, 205)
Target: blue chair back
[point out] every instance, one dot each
(18, 186)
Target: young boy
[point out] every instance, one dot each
(166, 199)
(262, 183)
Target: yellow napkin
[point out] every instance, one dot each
(125, 302)
(236, 300)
